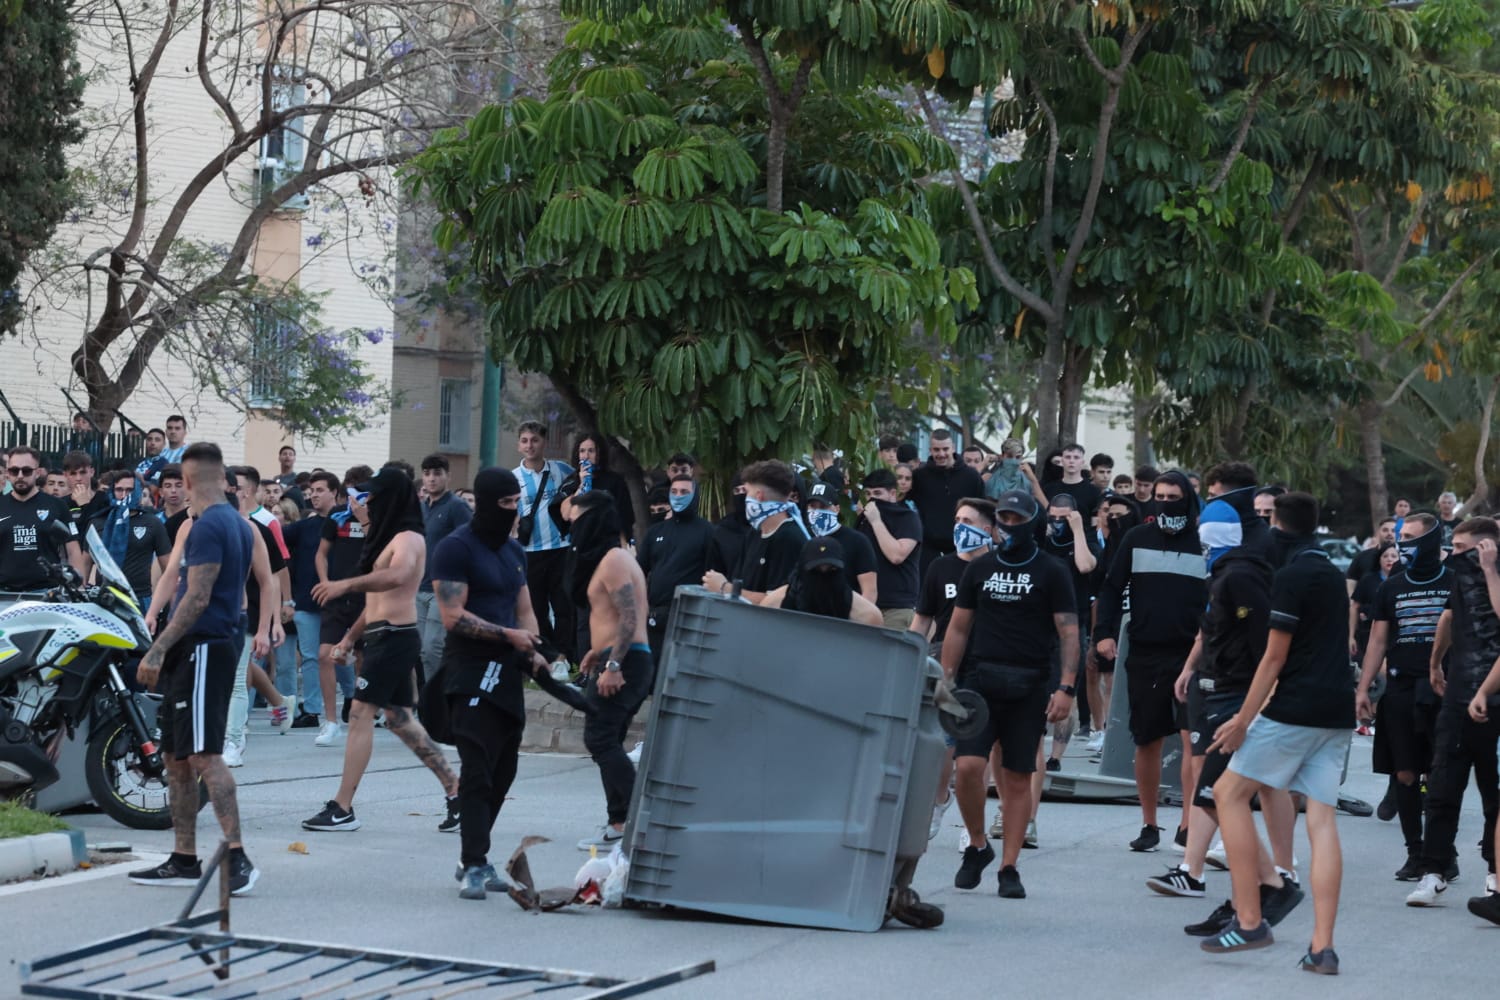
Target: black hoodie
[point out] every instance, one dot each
(1476, 632)
(675, 554)
(1166, 577)
(1237, 619)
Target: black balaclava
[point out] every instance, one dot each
(594, 531)
(1178, 517)
(1118, 525)
(394, 508)
(821, 591)
(1422, 556)
(492, 523)
(737, 504)
(1286, 545)
(1242, 500)
(658, 495)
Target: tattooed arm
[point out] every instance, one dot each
(451, 598)
(195, 598)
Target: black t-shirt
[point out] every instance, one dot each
(146, 543)
(1316, 686)
(898, 584)
(1084, 493)
(252, 585)
(495, 578)
(1366, 594)
(768, 563)
(1448, 527)
(24, 538)
(346, 538)
(1083, 583)
(1411, 611)
(1364, 561)
(859, 556)
(940, 591)
(1013, 608)
(174, 524)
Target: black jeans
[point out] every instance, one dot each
(605, 728)
(545, 572)
(489, 743)
(1459, 745)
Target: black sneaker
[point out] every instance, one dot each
(242, 874)
(1275, 904)
(1412, 870)
(1054, 765)
(1324, 963)
(976, 860)
(334, 818)
(1179, 842)
(1386, 811)
(305, 720)
(1217, 923)
(1484, 907)
(1176, 882)
(451, 822)
(906, 906)
(1237, 938)
(344, 712)
(1149, 840)
(1010, 883)
(170, 872)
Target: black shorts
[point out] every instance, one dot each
(336, 618)
(1212, 710)
(197, 679)
(1016, 725)
(1403, 741)
(392, 653)
(1151, 674)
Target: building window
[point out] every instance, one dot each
(453, 414)
(272, 342)
(283, 150)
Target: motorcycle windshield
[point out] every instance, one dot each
(109, 570)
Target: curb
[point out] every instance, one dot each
(552, 727)
(42, 854)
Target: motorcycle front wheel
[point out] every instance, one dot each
(120, 786)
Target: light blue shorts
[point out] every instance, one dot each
(1297, 758)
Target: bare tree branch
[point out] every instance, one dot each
(1240, 135)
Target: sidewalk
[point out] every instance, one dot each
(1090, 927)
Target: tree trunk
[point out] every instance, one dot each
(1372, 446)
(1075, 377)
(1140, 424)
(775, 154)
(1479, 502)
(1048, 389)
(1234, 435)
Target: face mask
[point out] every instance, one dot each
(1423, 555)
(1057, 527)
(1010, 464)
(1211, 556)
(658, 516)
(680, 502)
(1172, 515)
(823, 522)
(758, 511)
(967, 538)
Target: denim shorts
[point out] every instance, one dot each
(1297, 758)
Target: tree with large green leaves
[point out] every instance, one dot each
(616, 228)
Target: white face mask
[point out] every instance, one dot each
(967, 538)
(758, 511)
(823, 522)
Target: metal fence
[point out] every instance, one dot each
(53, 441)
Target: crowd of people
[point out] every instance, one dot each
(427, 608)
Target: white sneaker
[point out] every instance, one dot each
(938, 812)
(635, 755)
(562, 672)
(1216, 856)
(234, 754)
(328, 735)
(282, 717)
(1096, 742)
(1427, 891)
(1490, 887)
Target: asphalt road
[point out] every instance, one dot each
(1088, 928)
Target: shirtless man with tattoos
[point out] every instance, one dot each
(620, 658)
(390, 569)
(194, 661)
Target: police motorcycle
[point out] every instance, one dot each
(66, 712)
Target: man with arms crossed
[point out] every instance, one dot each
(390, 569)
(194, 659)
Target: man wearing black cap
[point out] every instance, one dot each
(479, 577)
(821, 587)
(674, 554)
(823, 503)
(390, 570)
(1161, 565)
(1015, 608)
(895, 532)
